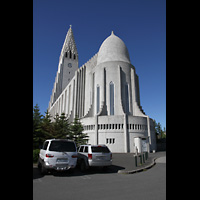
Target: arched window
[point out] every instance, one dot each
(126, 99)
(74, 56)
(66, 54)
(111, 85)
(98, 98)
(70, 54)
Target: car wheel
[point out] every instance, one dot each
(43, 170)
(83, 166)
(39, 165)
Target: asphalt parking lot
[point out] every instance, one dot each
(99, 184)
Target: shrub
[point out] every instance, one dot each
(36, 154)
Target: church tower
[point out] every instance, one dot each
(68, 59)
(68, 64)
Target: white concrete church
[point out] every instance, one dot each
(104, 93)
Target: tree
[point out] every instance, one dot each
(47, 126)
(158, 130)
(37, 132)
(76, 129)
(36, 117)
(44, 128)
(61, 127)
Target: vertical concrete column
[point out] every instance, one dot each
(149, 133)
(78, 94)
(73, 98)
(120, 90)
(133, 90)
(83, 95)
(125, 134)
(96, 129)
(69, 101)
(75, 93)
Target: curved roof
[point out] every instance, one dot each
(113, 49)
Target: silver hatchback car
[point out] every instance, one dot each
(94, 155)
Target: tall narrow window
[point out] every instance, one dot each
(127, 99)
(98, 98)
(111, 98)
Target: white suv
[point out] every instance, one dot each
(57, 154)
(94, 155)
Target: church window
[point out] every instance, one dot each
(127, 99)
(70, 54)
(110, 140)
(111, 98)
(66, 54)
(98, 98)
(74, 56)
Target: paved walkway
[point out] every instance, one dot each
(161, 160)
(126, 161)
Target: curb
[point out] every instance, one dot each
(138, 170)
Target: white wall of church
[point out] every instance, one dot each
(114, 115)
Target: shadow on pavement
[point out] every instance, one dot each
(77, 172)
(36, 173)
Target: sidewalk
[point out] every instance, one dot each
(127, 161)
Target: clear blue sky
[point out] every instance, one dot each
(141, 24)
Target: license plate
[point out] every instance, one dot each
(59, 160)
(62, 168)
(100, 157)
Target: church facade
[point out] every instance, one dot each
(104, 94)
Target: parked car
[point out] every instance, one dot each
(57, 154)
(94, 155)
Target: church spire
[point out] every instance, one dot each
(69, 45)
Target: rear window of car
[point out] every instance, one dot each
(45, 145)
(100, 149)
(62, 146)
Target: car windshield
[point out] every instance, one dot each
(62, 146)
(100, 149)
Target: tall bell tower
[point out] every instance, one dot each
(68, 59)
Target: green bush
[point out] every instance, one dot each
(36, 154)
